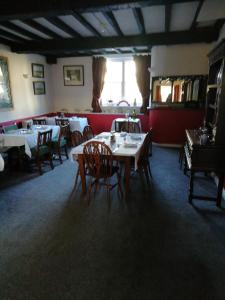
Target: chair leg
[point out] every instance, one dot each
(59, 154)
(77, 175)
(146, 173)
(66, 152)
(119, 184)
(39, 165)
(149, 170)
(50, 161)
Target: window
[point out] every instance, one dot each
(120, 83)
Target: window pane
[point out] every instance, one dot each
(114, 71)
(131, 90)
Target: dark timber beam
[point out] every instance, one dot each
(219, 24)
(63, 26)
(22, 31)
(139, 19)
(200, 35)
(41, 28)
(27, 9)
(193, 25)
(167, 17)
(11, 36)
(112, 21)
(85, 23)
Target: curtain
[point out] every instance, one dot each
(98, 72)
(176, 93)
(158, 93)
(143, 78)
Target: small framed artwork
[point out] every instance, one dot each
(37, 70)
(39, 87)
(73, 75)
(5, 91)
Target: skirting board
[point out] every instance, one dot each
(167, 145)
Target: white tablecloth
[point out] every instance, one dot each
(122, 120)
(123, 145)
(21, 137)
(1, 163)
(76, 123)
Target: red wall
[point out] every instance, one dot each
(169, 124)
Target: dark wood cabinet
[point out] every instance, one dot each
(208, 154)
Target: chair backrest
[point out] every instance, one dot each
(145, 149)
(88, 133)
(62, 121)
(98, 159)
(9, 128)
(39, 121)
(76, 138)
(131, 127)
(44, 139)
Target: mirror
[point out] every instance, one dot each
(170, 90)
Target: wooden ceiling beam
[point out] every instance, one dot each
(63, 26)
(168, 9)
(200, 35)
(85, 23)
(112, 21)
(35, 25)
(139, 20)
(21, 30)
(11, 36)
(27, 9)
(193, 25)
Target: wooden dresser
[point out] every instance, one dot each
(204, 158)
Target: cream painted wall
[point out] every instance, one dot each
(25, 103)
(180, 59)
(72, 98)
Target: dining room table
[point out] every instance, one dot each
(76, 123)
(27, 137)
(124, 147)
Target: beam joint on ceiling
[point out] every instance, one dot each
(168, 9)
(63, 26)
(199, 35)
(112, 21)
(35, 25)
(85, 23)
(139, 20)
(12, 36)
(193, 25)
(34, 9)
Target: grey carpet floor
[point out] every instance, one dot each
(154, 245)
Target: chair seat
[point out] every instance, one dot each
(42, 150)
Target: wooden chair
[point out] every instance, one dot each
(87, 133)
(60, 143)
(99, 163)
(131, 127)
(43, 151)
(62, 121)
(143, 161)
(76, 140)
(40, 121)
(7, 129)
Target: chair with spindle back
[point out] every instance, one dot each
(61, 121)
(39, 121)
(43, 149)
(76, 140)
(131, 127)
(98, 159)
(88, 133)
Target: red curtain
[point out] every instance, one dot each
(176, 93)
(143, 63)
(98, 72)
(158, 94)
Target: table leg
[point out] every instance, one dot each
(127, 175)
(82, 173)
(191, 186)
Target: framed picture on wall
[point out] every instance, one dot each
(39, 87)
(5, 91)
(73, 75)
(37, 70)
